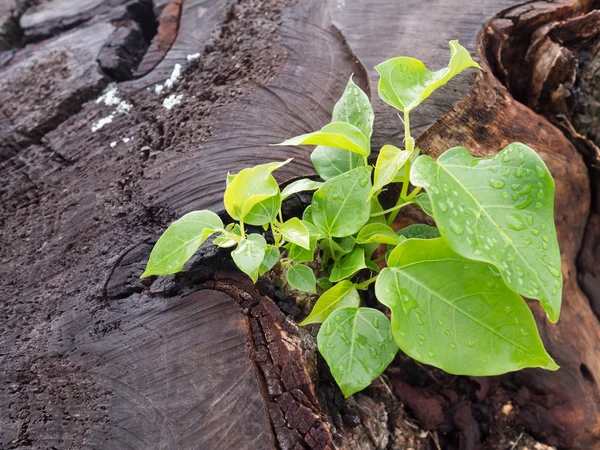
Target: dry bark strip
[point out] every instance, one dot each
(92, 359)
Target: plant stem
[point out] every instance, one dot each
(409, 143)
(394, 209)
(365, 284)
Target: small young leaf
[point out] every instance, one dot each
(249, 254)
(499, 210)
(354, 107)
(230, 178)
(358, 345)
(295, 231)
(335, 134)
(180, 241)
(307, 215)
(389, 162)
(270, 259)
(324, 283)
(300, 186)
(229, 237)
(419, 231)
(340, 207)
(406, 82)
(264, 212)
(302, 277)
(250, 187)
(424, 202)
(340, 295)
(349, 265)
(457, 314)
(301, 255)
(378, 232)
(329, 162)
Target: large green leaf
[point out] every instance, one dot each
(389, 162)
(300, 186)
(342, 294)
(340, 207)
(249, 255)
(302, 277)
(180, 241)
(354, 107)
(264, 212)
(358, 345)
(271, 257)
(296, 232)
(250, 187)
(499, 210)
(457, 314)
(330, 162)
(335, 134)
(349, 265)
(405, 82)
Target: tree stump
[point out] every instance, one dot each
(92, 358)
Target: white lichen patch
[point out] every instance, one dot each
(100, 123)
(192, 57)
(113, 144)
(172, 101)
(126, 140)
(171, 81)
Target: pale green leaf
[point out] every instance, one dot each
(342, 294)
(330, 162)
(499, 210)
(457, 314)
(302, 278)
(264, 212)
(419, 231)
(180, 241)
(349, 265)
(270, 259)
(378, 232)
(424, 202)
(324, 283)
(405, 82)
(249, 254)
(354, 107)
(229, 237)
(340, 207)
(335, 134)
(295, 231)
(300, 186)
(358, 345)
(390, 160)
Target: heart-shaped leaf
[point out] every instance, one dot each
(295, 231)
(354, 107)
(349, 265)
(342, 294)
(358, 345)
(405, 82)
(389, 162)
(229, 237)
(250, 187)
(329, 162)
(302, 277)
(249, 255)
(300, 186)
(457, 314)
(335, 134)
(271, 257)
(499, 210)
(340, 208)
(378, 232)
(180, 241)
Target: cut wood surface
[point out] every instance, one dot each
(91, 358)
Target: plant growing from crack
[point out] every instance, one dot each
(454, 292)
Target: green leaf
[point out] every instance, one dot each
(405, 82)
(499, 210)
(349, 265)
(330, 162)
(229, 237)
(302, 277)
(307, 215)
(378, 232)
(390, 160)
(230, 178)
(354, 107)
(324, 283)
(271, 257)
(249, 254)
(358, 345)
(264, 212)
(250, 187)
(419, 231)
(180, 241)
(457, 314)
(340, 295)
(335, 134)
(296, 232)
(340, 207)
(300, 186)
(424, 202)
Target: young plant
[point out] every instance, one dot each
(454, 292)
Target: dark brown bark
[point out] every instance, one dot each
(92, 358)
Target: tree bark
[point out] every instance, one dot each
(92, 358)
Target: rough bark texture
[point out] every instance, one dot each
(92, 358)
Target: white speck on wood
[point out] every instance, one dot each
(100, 124)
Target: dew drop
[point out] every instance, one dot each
(452, 346)
(540, 170)
(443, 206)
(340, 368)
(535, 231)
(456, 227)
(470, 344)
(430, 354)
(515, 222)
(507, 309)
(524, 332)
(375, 323)
(504, 194)
(545, 238)
(496, 183)
(447, 332)
(440, 322)
(523, 202)
(538, 205)
(421, 337)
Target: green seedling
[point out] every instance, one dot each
(454, 292)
